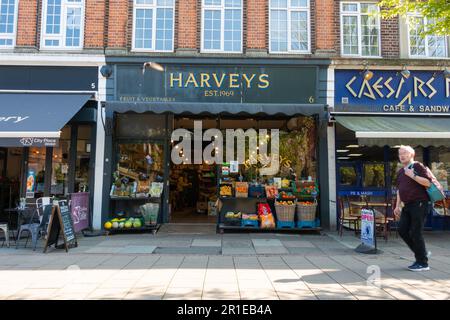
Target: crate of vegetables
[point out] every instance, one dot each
(241, 189)
(232, 218)
(305, 188)
(249, 220)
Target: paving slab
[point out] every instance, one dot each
(137, 249)
(188, 250)
(207, 243)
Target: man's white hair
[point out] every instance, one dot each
(408, 148)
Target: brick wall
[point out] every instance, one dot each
(390, 38)
(325, 25)
(27, 22)
(187, 24)
(256, 23)
(118, 23)
(94, 26)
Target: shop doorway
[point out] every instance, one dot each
(10, 172)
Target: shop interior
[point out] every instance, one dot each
(368, 173)
(195, 188)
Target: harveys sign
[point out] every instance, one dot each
(391, 92)
(202, 83)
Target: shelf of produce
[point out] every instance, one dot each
(135, 198)
(152, 228)
(222, 228)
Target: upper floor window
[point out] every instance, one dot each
(289, 26)
(153, 25)
(8, 18)
(63, 24)
(360, 29)
(222, 25)
(431, 46)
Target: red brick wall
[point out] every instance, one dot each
(26, 23)
(390, 38)
(324, 19)
(94, 26)
(118, 23)
(187, 24)
(256, 24)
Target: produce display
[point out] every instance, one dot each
(226, 190)
(271, 192)
(156, 189)
(232, 215)
(246, 216)
(286, 203)
(283, 195)
(241, 189)
(306, 203)
(124, 223)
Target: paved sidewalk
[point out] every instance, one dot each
(229, 266)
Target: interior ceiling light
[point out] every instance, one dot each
(352, 146)
(355, 154)
(342, 150)
(343, 158)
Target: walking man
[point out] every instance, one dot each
(412, 181)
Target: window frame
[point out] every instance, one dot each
(426, 56)
(222, 8)
(13, 35)
(63, 24)
(358, 14)
(289, 31)
(154, 8)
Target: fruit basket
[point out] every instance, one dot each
(306, 210)
(241, 190)
(285, 210)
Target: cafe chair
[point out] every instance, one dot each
(4, 227)
(346, 217)
(36, 227)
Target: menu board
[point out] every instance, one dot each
(60, 223)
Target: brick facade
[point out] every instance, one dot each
(109, 23)
(27, 19)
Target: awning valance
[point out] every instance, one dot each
(216, 108)
(35, 119)
(380, 131)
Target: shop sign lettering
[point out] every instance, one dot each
(13, 119)
(389, 91)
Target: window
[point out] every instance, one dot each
(63, 24)
(289, 26)
(153, 25)
(8, 18)
(360, 29)
(222, 26)
(425, 46)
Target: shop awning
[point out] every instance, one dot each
(216, 108)
(35, 119)
(380, 131)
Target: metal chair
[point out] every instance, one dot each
(37, 226)
(4, 227)
(343, 217)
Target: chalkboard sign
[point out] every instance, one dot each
(60, 221)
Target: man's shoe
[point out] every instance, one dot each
(419, 267)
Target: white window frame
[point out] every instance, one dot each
(427, 54)
(358, 15)
(154, 7)
(62, 36)
(12, 35)
(289, 10)
(220, 7)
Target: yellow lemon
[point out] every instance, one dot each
(108, 225)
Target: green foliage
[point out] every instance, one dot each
(436, 10)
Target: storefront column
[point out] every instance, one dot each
(98, 169)
(332, 176)
(48, 171)
(72, 157)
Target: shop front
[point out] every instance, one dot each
(47, 132)
(216, 143)
(374, 117)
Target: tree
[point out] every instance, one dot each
(434, 10)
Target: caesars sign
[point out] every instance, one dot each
(241, 84)
(390, 91)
